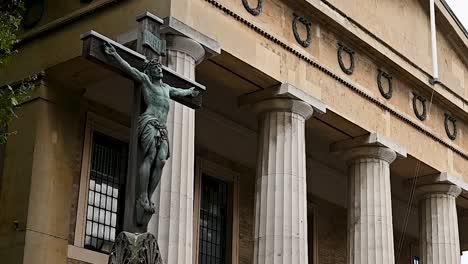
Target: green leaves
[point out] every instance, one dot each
(10, 21)
(14, 101)
(10, 97)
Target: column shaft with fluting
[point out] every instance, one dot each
(281, 204)
(173, 221)
(370, 227)
(438, 227)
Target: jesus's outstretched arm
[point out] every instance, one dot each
(178, 92)
(135, 74)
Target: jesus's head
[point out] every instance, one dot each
(153, 69)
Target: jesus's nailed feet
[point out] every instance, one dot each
(144, 209)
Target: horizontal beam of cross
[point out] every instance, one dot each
(93, 50)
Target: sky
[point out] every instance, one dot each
(460, 8)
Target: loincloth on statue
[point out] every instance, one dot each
(152, 133)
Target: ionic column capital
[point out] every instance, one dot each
(356, 154)
(183, 38)
(185, 45)
(282, 98)
(438, 188)
(373, 146)
(283, 105)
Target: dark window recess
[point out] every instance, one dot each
(310, 235)
(213, 221)
(416, 260)
(105, 194)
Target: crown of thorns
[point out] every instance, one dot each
(152, 63)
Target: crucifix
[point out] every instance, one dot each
(154, 86)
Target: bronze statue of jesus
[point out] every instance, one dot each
(152, 131)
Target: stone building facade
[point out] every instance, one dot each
(322, 138)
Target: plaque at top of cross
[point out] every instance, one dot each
(154, 86)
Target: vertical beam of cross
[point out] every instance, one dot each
(150, 44)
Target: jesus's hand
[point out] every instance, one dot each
(194, 92)
(109, 49)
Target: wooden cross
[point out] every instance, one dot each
(150, 44)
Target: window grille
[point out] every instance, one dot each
(213, 221)
(106, 184)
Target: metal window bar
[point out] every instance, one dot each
(106, 184)
(213, 221)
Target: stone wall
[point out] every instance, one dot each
(40, 165)
(331, 228)
(463, 227)
(246, 216)
(408, 249)
(331, 232)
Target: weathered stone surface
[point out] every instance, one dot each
(370, 225)
(331, 232)
(439, 237)
(130, 248)
(281, 202)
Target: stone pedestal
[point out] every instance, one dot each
(370, 226)
(173, 221)
(438, 228)
(130, 248)
(281, 203)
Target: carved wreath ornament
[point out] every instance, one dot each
(380, 82)
(300, 19)
(420, 115)
(450, 119)
(254, 11)
(342, 48)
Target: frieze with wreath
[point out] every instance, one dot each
(300, 19)
(254, 11)
(421, 116)
(344, 49)
(380, 83)
(450, 119)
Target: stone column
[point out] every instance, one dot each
(173, 221)
(281, 203)
(370, 226)
(438, 227)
